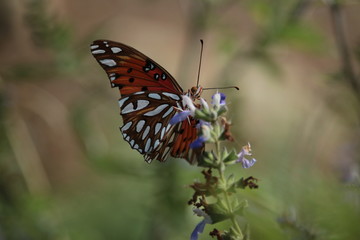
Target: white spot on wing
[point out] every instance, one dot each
(172, 95)
(140, 125)
(157, 127)
(128, 108)
(162, 133)
(121, 101)
(157, 142)
(147, 145)
(98, 51)
(146, 132)
(94, 47)
(132, 143)
(126, 126)
(154, 96)
(138, 93)
(157, 110)
(108, 62)
(142, 104)
(168, 112)
(136, 146)
(116, 49)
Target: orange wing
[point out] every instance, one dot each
(130, 70)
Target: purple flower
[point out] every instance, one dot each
(245, 151)
(179, 117)
(201, 225)
(199, 142)
(218, 99)
(198, 229)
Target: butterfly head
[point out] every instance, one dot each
(195, 92)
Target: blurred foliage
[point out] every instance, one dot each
(117, 196)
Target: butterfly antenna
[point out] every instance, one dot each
(237, 88)
(201, 51)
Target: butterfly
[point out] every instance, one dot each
(150, 97)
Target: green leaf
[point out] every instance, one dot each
(231, 157)
(240, 183)
(222, 109)
(217, 212)
(224, 153)
(231, 184)
(231, 179)
(207, 159)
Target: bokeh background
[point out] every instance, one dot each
(67, 174)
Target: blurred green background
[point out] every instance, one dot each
(67, 174)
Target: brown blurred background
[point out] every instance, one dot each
(66, 172)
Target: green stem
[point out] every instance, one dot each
(227, 200)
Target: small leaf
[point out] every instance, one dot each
(207, 159)
(224, 153)
(232, 156)
(217, 212)
(231, 179)
(222, 109)
(203, 115)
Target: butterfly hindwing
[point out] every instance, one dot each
(146, 117)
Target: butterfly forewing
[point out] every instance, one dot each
(150, 97)
(132, 71)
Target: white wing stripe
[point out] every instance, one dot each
(147, 145)
(146, 132)
(126, 126)
(157, 110)
(168, 112)
(154, 96)
(121, 101)
(172, 95)
(157, 127)
(140, 125)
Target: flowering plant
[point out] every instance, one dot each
(215, 199)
